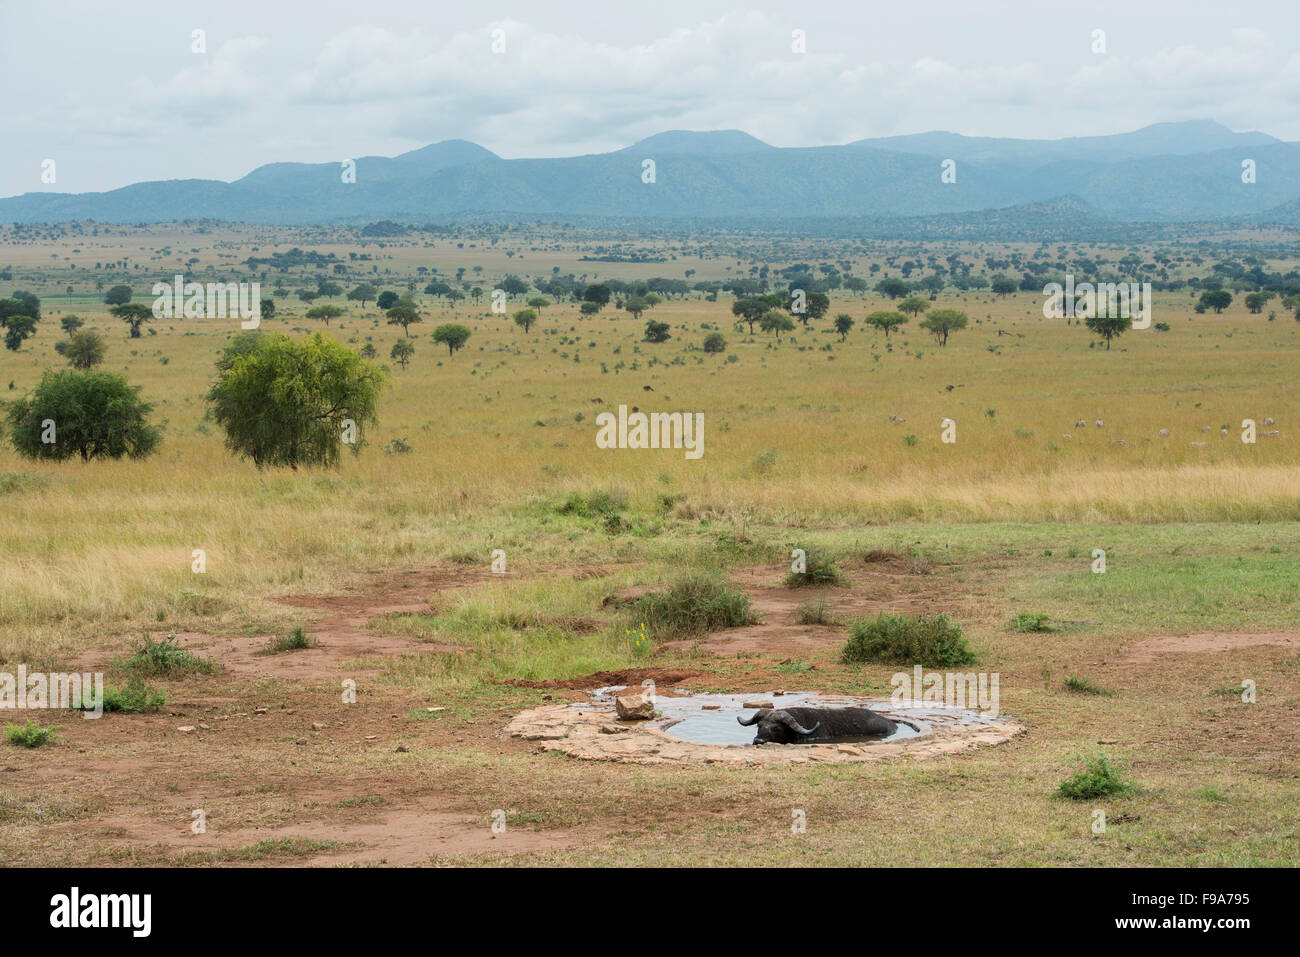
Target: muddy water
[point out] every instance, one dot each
(711, 718)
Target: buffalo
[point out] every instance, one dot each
(804, 725)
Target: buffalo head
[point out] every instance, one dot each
(777, 727)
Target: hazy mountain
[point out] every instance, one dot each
(1170, 172)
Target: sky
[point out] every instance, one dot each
(117, 93)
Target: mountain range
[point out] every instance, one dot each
(1165, 173)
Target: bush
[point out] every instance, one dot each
(1083, 686)
(1030, 621)
(95, 415)
(166, 657)
(934, 641)
(818, 572)
(30, 735)
(693, 605)
(135, 697)
(1099, 778)
(291, 642)
(814, 611)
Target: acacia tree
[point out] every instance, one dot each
(886, 320)
(403, 314)
(843, 323)
(778, 322)
(525, 318)
(913, 305)
(403, 349)
(88, 414)
(324, 312)
(285, 401)
(84, 349)
(749, 310)
(134, 314)
(943, 322)
(1108, 327)
(364, 293)
(452, 335)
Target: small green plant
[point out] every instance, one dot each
(167, 657)
(1083, 686)
(135, 697)
(31, 734)
(694, 605)
(1099, 778)
(291, 642)
(1028, 621)
(934, 641)
(794, 666)
(818, 572)
(642, 645)
(814, 611)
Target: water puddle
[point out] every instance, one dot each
(711, 718)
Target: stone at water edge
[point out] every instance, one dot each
(758, 704)
(633, 707)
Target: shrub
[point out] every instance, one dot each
(818, 572)
(934, 641)
(814, 611)
(1097, 779)
(135, 697)
(1083, 686)
(694, 605)
(95, 415)
(291, 642)
(1029, 621)
(30, 735)
(166, 657)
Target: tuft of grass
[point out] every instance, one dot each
(293, 641)
(1097, 779)
(1028, 621)
(693, 605)
(818, 572)
(934, 641)
(167, 657)
(135, 697)
(814, 611)
(1083, 686)
(31, 734)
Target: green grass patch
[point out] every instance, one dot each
(31, 734)
(293, 641)
(167, 657)
(1083, 686)
(1099, 778)
(819, 572)
(933, 641)
(693, 605)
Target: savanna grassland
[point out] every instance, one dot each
(828, 443)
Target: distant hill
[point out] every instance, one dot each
(1170, 172)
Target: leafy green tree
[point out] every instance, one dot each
(1108, 327)
(749, 310)
(893, 288)
(307, 295)
(331, 289)
(539, 303)
(268, 309)
(656, 331)
(843, 323)
(90, 414)
(589, 308)
(324, 312)
(84, 349)
(775, 321)
(404, 314)
(514, 286)
(598, 293)
(1002, 286)
(134, 314)
(387, 299)
(18, 318)
(525, 318)
(451, 335)
(118, 296)
(913, 305)
(636, 305)
(715, 342)
(1216, 299)
(71, 324)
(403, 349)
(364, 293)
(886, 320)
(285, 401)
(943, 322)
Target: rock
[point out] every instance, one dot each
(710, 707)
(634, 707)
(402, 749)
(185, 728)
(758, 704)
(1109, 741)
(1100, 423)
(848, 749)
(259, 711)
(203, 727)
(434, 710)
(301, 741)
(317, 726)
(613, 729)
(1163, 433)
(371, 737)
(1268, 421)
(1080, 424)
